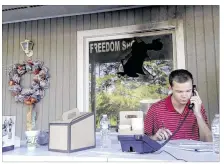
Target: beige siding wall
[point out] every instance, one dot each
(55, 44)
(202, 52)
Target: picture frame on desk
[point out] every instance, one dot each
(8, 133)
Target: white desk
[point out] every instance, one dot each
(112, 154)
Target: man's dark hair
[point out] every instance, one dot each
(180, 76)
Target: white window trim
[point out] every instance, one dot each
(84, 37)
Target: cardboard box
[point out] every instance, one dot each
(8, 133)
(128, 120)
(75, 132)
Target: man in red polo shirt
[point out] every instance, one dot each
(163, 117)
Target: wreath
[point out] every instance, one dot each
(40, 82)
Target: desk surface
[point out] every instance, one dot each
(170, 152)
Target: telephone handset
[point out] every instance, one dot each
(191, 105)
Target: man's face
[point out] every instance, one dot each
(182, 91)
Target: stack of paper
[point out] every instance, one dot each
(191, 145)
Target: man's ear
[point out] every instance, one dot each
(170, 90)
(169, 87)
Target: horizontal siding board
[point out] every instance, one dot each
(185, 36)
(12, 47)
(115, 18)
(123, 18)
(28, 77)
(138, 16)
(108, 19)
(73, 64)
(100, 20)
(154, 14)
(93, 21)
(66, 64)
(16, 107)
(180, 12)
(86, 23)
(215, 12)
(172, 11)
(53, 70)
(34, 35)
(131, 17)
(46, 59)
(59, 69)
(40, 56)
(210, 63)
(146, 14)
(190, 42)
(79, 22)
(35, 39)
(9, 97)
(163, 14)
(200, 54)
(22, 58)
(5, 67)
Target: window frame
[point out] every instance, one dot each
(174, 27)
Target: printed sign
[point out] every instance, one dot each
(115, 50)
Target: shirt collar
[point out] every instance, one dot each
(170, 105)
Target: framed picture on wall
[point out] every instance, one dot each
(8, 133)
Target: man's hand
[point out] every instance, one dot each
(162, 134)
(197, 104)
(204, 131)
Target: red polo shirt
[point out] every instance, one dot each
(163, 113)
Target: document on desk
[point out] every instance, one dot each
(191, 145)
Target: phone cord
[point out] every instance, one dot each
(178, 128)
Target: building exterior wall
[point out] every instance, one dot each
(56, 44)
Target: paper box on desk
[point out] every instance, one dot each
(8, 133)
(75, 132)
(131, 123)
